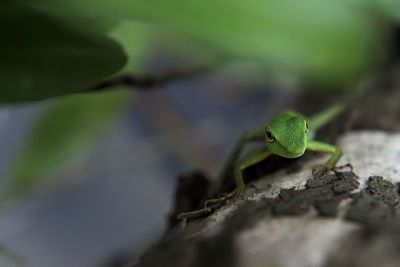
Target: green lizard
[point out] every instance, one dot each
(288, 135)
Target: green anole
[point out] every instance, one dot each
(289, 135)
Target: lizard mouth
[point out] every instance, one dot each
(294, 153)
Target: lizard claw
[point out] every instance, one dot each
(319, 171)
(221, 199)
(193, 214)
(347, 165)
(209, 205)
(255, 189)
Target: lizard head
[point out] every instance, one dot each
(286, 135)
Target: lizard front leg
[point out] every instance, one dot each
(335, 151)
(238, 172)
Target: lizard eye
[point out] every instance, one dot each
(270, 136)
(306, 127)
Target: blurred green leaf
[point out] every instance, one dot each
(390, 8)
(330, 40)
(77, 15)
(135, 38)
(43, 57)
(61, 136)
(322, 39)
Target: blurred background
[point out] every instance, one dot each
(89, 162)
(116, 198)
